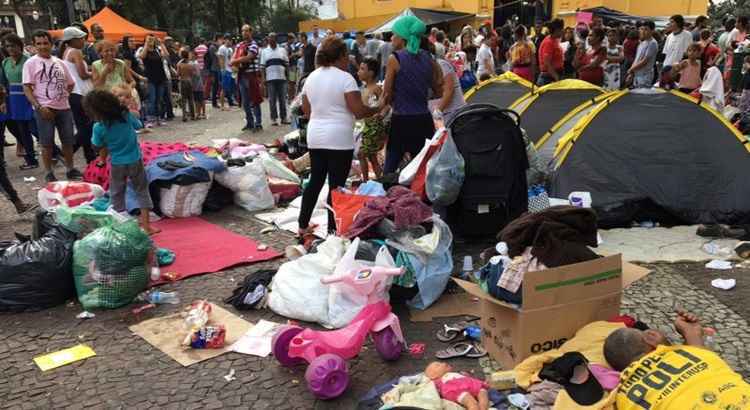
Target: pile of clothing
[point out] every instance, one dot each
(576, 375)
(418, 239)
(556, 236)
(268, 176)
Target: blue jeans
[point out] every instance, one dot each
(251, 110)
(156, 96)
(229, 86)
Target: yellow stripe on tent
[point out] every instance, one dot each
(566, 142)
(569, 84)
(716, 114)
(571, 114)
(507, 77)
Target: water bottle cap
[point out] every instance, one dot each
(502, 248)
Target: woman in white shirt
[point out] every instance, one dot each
(332, 101)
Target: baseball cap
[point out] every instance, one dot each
(571, 371)
(73, 32)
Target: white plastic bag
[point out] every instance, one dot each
(409, 172)
(183, 201)
(249, 184)
(445, 174)
(296, 291)
(344, 303)
(277, 169)
(68, 193)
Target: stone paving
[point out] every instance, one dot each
(129, 373)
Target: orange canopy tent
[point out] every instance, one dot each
(115, 27)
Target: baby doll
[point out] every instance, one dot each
(467, 391)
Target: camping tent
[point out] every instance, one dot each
(502, 91)
(428, 17)
(659, 156)
(548, 142)
(115, 27)
(541, 108)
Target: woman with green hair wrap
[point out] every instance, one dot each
(412, 78)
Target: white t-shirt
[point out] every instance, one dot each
(225, 53)
(675, 47)
(485, 59)
(275, 61)
(331, 123)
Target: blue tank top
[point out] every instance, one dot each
(413, 81)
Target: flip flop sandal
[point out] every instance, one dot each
(450, 332)
(461, 349)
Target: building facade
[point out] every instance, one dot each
(364, 14)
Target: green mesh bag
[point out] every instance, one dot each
(110, 265)
(82, 219)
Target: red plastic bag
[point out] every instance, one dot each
(346, 206)
(68, 193)
(418, 185)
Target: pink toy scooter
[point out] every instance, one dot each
(327, 351)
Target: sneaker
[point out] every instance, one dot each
(743, 250)
(28, 166)
(149, 124)
(258, 128)
(50, 177)
(184, 119)
(22, 207)
(286, 122)
(74, 174)
(275, 123)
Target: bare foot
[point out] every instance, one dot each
(150, 230)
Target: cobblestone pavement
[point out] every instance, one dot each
(129, 373)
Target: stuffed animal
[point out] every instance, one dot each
(467, 391)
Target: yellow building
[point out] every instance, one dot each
(357, 15)
(566, 9)
(365, 14)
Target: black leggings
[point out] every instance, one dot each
(5, 185)
(335, 164)
(84, 128)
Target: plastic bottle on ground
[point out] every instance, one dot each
(159, 298)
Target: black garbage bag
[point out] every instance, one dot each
(43, 222)
(37, 274)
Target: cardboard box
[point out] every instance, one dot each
(556, 303)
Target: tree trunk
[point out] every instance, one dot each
(237, 19)
(220, 15)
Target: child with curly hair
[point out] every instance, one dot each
(115, 136)
(375, 130)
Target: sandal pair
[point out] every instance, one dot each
(471, 350)
(450, 332)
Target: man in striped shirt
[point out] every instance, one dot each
(246, 59)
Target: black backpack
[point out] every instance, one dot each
(494, 191)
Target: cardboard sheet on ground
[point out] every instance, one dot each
(660, 244)
(461, 304)
(166, 333)
(203, 247)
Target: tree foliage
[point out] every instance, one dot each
(719, 10)
(190, 19)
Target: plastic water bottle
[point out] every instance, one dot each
(468, 266)
(709, 340)
(159, 298)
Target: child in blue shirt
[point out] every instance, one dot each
(115, 135)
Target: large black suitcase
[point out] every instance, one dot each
(494, 190)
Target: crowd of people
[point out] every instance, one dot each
(401, 80)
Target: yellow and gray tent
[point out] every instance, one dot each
(502, 91)
(542, 108)
(655, 155)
